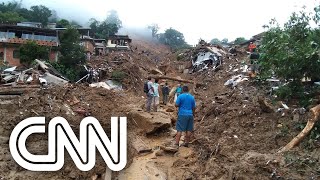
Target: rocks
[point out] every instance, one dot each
(185, 152)
(140, 146)
(159, 153)
(150, 123)
(169, 149)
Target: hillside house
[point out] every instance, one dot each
(13, 36)
(118, 42)
(100, 47)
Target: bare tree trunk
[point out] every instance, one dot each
(296, 140)
(172, 78)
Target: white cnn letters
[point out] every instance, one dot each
(61, 137)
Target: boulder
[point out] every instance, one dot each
(150, 123)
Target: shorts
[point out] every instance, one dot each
(184, 123)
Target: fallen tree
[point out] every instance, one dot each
(173, 79)
(310, 124)
(179, 80)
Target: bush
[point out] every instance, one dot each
(72, 73)
(31, 51)
(118, 75)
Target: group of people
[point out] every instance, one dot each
(152, 90)
(184, 101)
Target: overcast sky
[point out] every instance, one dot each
(204, 19)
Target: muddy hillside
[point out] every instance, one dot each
(239, 132)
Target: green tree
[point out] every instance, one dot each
(114, 19)
(40, 14)
(173, 38)
(75, 24)
(25, 13)
(154, 29)
(31, 51)
(291, 52)
(10, 17)
(109, 26)
(224, 41)
(63, 23)
(72, 53)
(9, 6)
(215, 41)
(240, 40)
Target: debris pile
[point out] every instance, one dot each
(41, 74)
(204, 56)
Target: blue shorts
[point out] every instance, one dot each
(184, 123)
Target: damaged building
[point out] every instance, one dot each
(118, 42)
(100, 47)
(13, 36)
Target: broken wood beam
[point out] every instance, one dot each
(310, 124)
(3, 97)
(20, 87)
(174, 79)
(42, 65)
(15, 91)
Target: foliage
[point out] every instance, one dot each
(10, 17)
(154, 29)
(9, 6)
(313, 138)
(11, 12)
(31, 51)
(224, 41)
(63, 23)
(40, 14)
(72, 73)
(72, 53)
(173, 38)
(291, 53)
(110, 26)
(239, 40)
(75, 24)
(118, 75)
(215, 41)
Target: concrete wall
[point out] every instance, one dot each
(8, 55)
(88, 46)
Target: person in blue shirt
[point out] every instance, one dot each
(178, 90)
(186, 104)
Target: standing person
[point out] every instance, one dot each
(156, 95)
(148, 89)
(165, 93)
(186, 104)
(178, 92)
(252, 47)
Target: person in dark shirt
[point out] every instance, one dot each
(165, 93)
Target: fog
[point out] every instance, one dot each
(204, 19)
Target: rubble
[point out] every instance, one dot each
(39, 74)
